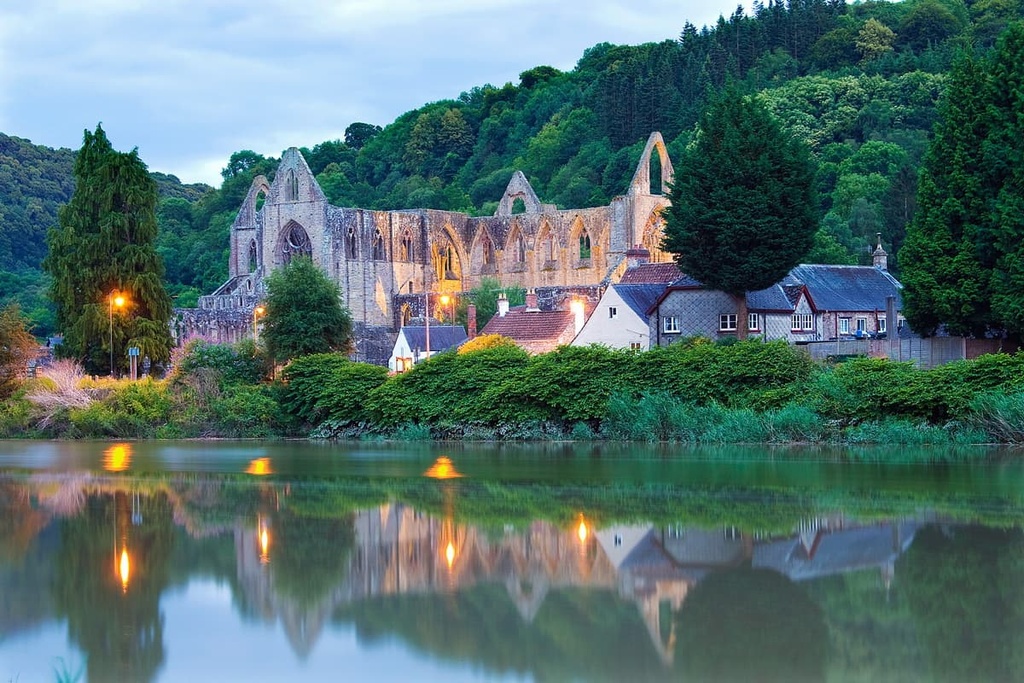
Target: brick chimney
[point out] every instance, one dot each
(637, 255)
(531, 300)
(880, 259)
(502, 304)
(471, 320)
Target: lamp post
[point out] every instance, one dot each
(256, 312)
(118, 300)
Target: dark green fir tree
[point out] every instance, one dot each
(107, 276)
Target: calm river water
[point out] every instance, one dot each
(248, 561)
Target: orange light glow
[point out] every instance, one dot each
(118, 457)
(449, 554)
(264, 542)
(263, 536)
(119, 301)
(124, 570)
(443, 468)
(582, 531)
(260, 467)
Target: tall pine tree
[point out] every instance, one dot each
(945, 263)
(104, 245)
(1004, 156)
(743, 208)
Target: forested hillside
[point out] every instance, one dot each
(858, 82)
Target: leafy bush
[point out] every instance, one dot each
(242, 363)
(329, 387)
(246, 412)
(793, 423)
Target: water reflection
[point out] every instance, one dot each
(579, 596)
(117, 457)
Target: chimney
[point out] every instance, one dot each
(531, 300)
(471, 320)
(637, 255)
(880, 259)
(502, 305)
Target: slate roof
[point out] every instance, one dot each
(650, 273)
(846, 288)
(442, 337)
(774, 298)
(522, 325)
(639, 297)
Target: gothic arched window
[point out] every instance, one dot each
(252, 256)
(378, 247)
(584, 245)
(405, 247)
(350, 243)
(296, 244)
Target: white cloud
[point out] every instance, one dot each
(190, 81)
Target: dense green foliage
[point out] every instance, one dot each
(328, 387)
(742, 210)
(105, 245)
(304, 313)
(963, 256)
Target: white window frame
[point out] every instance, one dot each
(670, 324)
(802, 322)
(754, 321)
(862, 324)
(881, 324)
(844, 326)
(727, 322)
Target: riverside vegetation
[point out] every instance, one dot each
(692, 392)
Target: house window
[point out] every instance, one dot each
(881, 324)
(803, 321)
(671, 325)
(862, 324)
(635, 346)
(727, 322)
(613, 312)
(753, 321)
(844, 326)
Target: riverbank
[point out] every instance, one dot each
(694, 392)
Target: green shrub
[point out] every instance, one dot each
(328, 387)
(242, 363)
(246, 412)
(793, 423)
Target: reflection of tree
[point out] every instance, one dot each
(964, 592)
(578, 634)
(26, 561)
(309, 555)
(120, 630)
(750, 625)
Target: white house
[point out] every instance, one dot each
(619, 320)
(411, 345)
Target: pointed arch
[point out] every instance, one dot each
(406, 247)
(641, 183)
(515, 249)
(547, 247)
(406, 314)
(253, 256)
(654, 232)
(581, 244)
(482, 255)
(446, 261)
(351, 244)
(291, 186)
(379, 253)
(294, 243)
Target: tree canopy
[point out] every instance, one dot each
(104, 248)
(743, 211)
(304, 313)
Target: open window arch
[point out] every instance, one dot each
(351, 244)
(515, 247)
(379, 252)
(253, 261)
(291, 186)
(445, 260)
(405, 315)
(294, 243)
(547, 247)
(654, 233)
(482, 253)
(652, 177)
(406, 247)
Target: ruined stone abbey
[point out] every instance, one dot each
(390, 264)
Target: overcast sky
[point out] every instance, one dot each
(189, 82)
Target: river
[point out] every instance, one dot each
(192, 560)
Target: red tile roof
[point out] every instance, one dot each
(651, 274)
(522, 325)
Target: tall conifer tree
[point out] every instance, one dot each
(945, 262)
(743, 210)
(104, 244)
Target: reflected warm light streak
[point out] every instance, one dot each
(449, 554)
(118, 457)
(124, 570)
(260, 467)
(264, 538)
(443, 468)
(582, 531)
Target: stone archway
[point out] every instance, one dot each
(294, 243)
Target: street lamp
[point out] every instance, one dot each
(118, 300)
(445, 300)
(256, 312)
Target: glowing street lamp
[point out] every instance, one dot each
(445, 300)
(118, 300)
(256, 312)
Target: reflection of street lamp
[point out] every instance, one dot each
(119, 301)
(256, 312)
